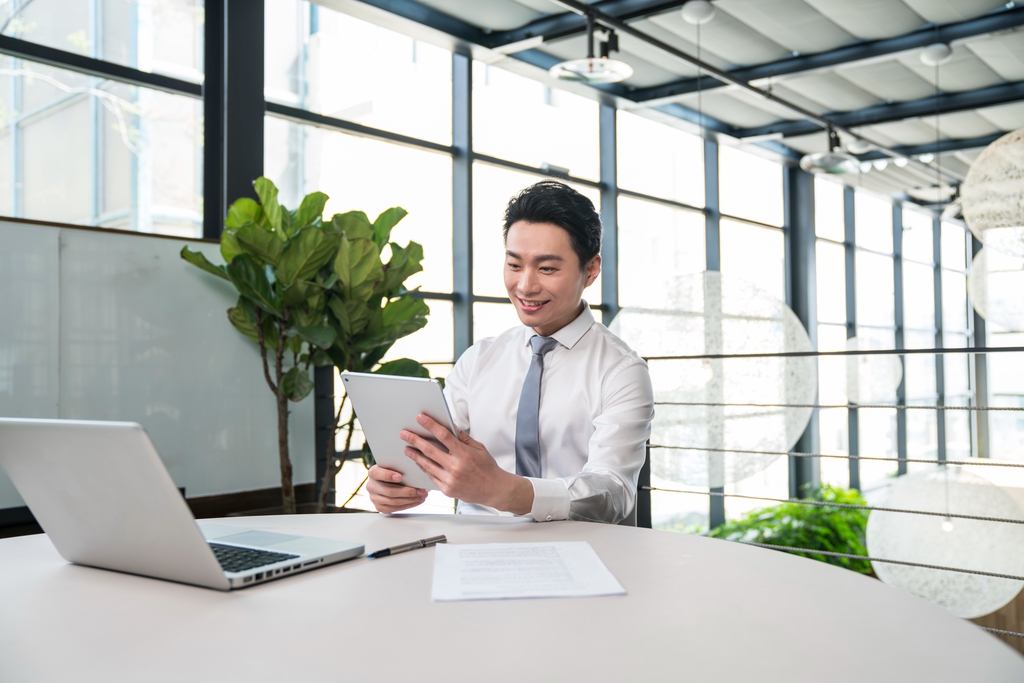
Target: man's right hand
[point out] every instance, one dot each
(387, 493)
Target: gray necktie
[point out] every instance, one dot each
(527, 421)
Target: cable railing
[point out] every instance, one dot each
(713, 407)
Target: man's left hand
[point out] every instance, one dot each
(467, 471)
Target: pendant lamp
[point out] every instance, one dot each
(593, 70)
(833, 161)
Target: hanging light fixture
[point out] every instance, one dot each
(698, 12)
(832, 161)
(593, 70)
(992, 196)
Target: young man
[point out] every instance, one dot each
(559, 410)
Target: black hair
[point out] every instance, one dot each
(550, 201)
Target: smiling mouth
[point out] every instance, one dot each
(531, 306)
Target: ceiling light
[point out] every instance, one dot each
(833, 161)
(926, 158)
(880, 164)
(593, 70)
(936, 53)
(698, 12)
(992, 195)
(865, 166)
(901, 161)
(934, 194)
(858, 146)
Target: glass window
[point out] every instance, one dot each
(520, 119)
(875, 296)
(755, 254)
(435, 343)
(918, 237)
(954, 300)
(956, 366)
(658, 160)
(829, 212)
(954, 247)
(334, 64)
(874, 222)
(833, 423)
(918, 296)
(657, 244)
(493, 187)
(490, 320)
(919, 368)
(750, 186)
(830, 267)
(158, 36)
(131, 157)
(370, 176)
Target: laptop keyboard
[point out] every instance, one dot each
(235, 559)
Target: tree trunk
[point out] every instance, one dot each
(287, 488)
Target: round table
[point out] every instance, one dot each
(697, 609)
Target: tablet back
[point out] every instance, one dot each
(387, 404)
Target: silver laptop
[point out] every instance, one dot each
(104, 497)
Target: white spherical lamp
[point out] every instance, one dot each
(698, 12)
(992, 196)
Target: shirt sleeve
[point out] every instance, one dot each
(605, 491)
(456, 389)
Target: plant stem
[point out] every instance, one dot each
(349, 500)
(287, 488)
(334, 464)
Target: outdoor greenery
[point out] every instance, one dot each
(795, 525)
(316, 293)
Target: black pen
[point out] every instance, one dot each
(423, 543)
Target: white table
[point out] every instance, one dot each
(697, 610)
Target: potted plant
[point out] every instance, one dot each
(297, 277)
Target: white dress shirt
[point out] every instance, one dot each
(596, 407)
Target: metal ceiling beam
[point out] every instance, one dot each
(932, 148)
(430, 17)
(945, 103)
(569, 23)
(996, 21)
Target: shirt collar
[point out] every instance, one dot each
(569, 335)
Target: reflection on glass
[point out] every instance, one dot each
(520, 119)
(334, 64)
(657, 244)
(829, 213)
(369, 175)
(918, 237)
(918, 296)
(873, 217)
(750, 186)
(875, 304)
(493, 187)
(130, 157)
(490, 320)
(432, 344)
(830, 267)
(658, 160)
(158, 36)
(755, 254)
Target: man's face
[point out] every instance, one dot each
(543, 276)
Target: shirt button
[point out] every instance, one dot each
(550, 518)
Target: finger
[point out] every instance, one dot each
(394, 491)
(440, 432)
(388, 508)
(383, 474)
(425, 447)
(429, 467)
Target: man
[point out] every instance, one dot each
(559, 410)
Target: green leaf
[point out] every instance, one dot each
(352, 316)
(385, 222)
(296, 384)
(405, 262)
(358, 267)
(367, 455)
(318, 335)
(311, 210)
(198, 260)
(261, 243)
(403, 366)
(403, 310)
(295, 293)
(320, 359)
(294, 344)
(353, 224)
(229, 247)
(242, 212)
(267, 192)
(251, 281)
(243, 317)
(306, 252)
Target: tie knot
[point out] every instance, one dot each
(541, 345)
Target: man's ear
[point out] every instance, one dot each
(593, 269)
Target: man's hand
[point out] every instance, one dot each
(388, 495)
(467, 471)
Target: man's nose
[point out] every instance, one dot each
(528, 281)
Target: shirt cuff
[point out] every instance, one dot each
(550, 500)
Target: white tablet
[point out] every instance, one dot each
(387, 404)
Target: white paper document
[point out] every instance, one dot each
(495, 571)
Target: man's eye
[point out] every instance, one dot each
(548, 270)
(513, 266)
